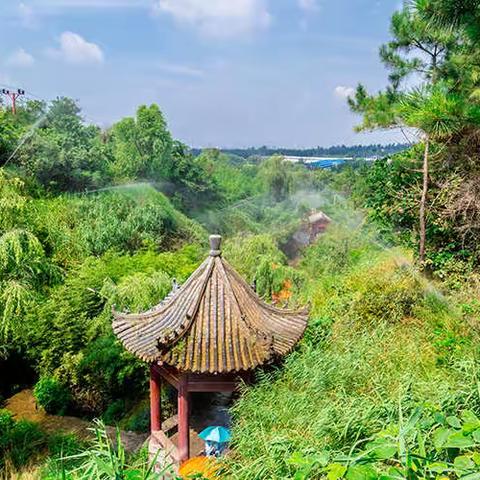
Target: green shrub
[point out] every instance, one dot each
(124, 219)
(63, 448)
(114, 412)
(272, 278)
(341, 248)
(425, 445)
(139, 419)
(19, 440)
(139, 291)
(64, 444)
(53, 396)
(108, 372)
(6, 426)
(387, 292)
(246, 253)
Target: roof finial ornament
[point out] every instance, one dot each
(215, 242)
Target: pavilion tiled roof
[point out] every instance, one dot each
(213, 323)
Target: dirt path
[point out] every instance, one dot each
(23, 406)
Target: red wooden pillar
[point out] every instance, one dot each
(183, 426)
(155, 400)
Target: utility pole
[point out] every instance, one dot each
(13, 97)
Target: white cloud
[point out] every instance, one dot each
(182, 70)
(220, 18)
(344, 92)
(27, 15)
(75, 49)
(20, 58)
(308, 5)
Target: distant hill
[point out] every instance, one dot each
(359, 151)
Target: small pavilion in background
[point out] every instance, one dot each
(205, 336)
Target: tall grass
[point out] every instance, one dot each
(105, 459)
(380, 336)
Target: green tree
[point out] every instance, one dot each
(193, 188)
(275, 173)
(10, 133)
(234, 180)
(143, 149)
(433, 111)
(418, 46)
(436, 110)
(62, 153)
(438, 115)
(453, 13)
(24, 270)
(142, 146)
(462, 16)
(14, 128)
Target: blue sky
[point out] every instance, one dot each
(225, 72)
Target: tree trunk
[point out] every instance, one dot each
(423, 204)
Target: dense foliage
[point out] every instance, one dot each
(92, 219)
(434, 48)
(382, 345)
(384, 384)
(51, 395)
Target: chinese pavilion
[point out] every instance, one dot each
(205, 336)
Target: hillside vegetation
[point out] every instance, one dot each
(385, 383)
(88, 221)
(384, 349)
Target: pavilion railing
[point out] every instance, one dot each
(161, 439)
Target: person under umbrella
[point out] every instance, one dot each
(216, 439)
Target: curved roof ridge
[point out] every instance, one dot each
(164, 304)
(163, 324)
(190, 315)
(285, 326)
(261, 335)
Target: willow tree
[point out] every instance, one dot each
(24, 271)
(277, 178)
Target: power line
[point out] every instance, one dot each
(13, 95)
(27, 94)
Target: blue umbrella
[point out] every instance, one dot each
(215, 434)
